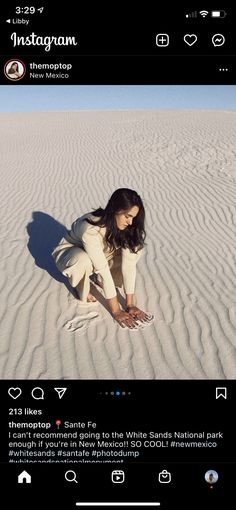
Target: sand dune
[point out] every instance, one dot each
(55, 166)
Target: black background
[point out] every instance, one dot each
(118, 46)
(147, 405)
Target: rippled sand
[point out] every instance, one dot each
(56, 166)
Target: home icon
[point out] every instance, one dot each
(24, 477)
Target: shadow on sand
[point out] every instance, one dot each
(44, 234)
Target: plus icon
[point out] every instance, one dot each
(162, 40)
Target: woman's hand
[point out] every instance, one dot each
(137, 314)
(125, 319)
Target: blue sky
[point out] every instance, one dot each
(22, 98)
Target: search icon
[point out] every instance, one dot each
(70, 476)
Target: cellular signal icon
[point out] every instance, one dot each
(203, 13)
(192, 14)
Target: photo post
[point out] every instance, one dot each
(118, 280)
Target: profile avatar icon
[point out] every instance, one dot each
(211, 476)
(14, 70)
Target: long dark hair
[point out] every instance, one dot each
(134, 235)
(12, 70)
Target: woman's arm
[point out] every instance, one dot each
(129, 300)
(114, 306)
(129, 261)
(128, 267)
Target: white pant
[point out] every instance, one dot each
(75, 264)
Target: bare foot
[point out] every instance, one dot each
(91, 298)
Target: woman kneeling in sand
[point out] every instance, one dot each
(107, 242)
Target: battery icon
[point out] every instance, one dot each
(218, 14)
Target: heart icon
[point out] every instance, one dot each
(190, 39)
(14, 392)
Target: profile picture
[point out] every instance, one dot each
(211, 476)
(14, 70)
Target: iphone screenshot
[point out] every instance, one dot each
(118, 256)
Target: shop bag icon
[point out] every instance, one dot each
(164, 476)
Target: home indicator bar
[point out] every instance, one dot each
(118, 504)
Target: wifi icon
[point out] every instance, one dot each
(204, 13)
